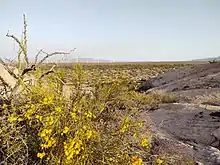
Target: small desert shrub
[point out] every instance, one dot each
(42, 126)
(164, 97)
(152, 99)
(208, 98)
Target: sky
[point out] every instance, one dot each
(121, 30)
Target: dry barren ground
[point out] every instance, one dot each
(195, 120)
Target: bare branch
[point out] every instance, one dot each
(25, 71)
(20, 80)
(48, 72)
(52, 54)
(33, 67)
(9, 60)
(22, 44)
(36, 57)
(61, 80)
(17, 40)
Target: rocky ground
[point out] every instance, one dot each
(192, 124)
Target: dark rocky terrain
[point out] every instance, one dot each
(194, 122)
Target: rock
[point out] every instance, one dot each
(192, 125)
(202, 76)
(216, 134)
(6, 77)
(144, 86)
(194, 122)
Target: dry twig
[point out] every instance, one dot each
(49, 71)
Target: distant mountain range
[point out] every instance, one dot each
(208, 59)
(80, 60)
(89, 60)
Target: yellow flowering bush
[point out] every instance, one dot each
(101, 127)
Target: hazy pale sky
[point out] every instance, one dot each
(131, 30)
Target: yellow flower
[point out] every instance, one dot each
(20, 119)
(58, 109)
(42, 134)
(125, 125)
(47, 101)
(145, 143)
(66, 129)
(50, 142)
(78, 144)
(110, 159)
(77, 152)
(159, 161)
(73, 147)
(89, 134)
(39, 117)
(140, 124)
(29, 113)
(41, 155)
(123, 129)
(27, 106)
(12, 118)
(49, 120)
(4, 106)
(74, 109)
(27, 116)
(43, 146)
(46, 138)
(126, 120)
(49, 131)
(126, 155)
(45, 133)
(73, 115)
(136, 160)
(89, 114)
